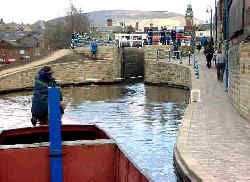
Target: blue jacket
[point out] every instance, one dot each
(150, 32)
(40, 94)
(93, 47)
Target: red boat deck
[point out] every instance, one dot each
(89, 155)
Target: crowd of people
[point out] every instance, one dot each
(167, 37)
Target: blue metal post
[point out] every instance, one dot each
(169, 54)
(189, 57)
(55, 135)
(227, 45)
(180, 57)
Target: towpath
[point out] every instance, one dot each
(214, 142)
(56, 55)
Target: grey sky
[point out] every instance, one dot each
(29, 11)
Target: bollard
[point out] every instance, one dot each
(56, 174)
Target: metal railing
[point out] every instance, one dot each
(170, 54)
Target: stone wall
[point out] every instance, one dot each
(161, 71)
(72, 72)
(239, 78)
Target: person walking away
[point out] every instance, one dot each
(209, 52)
(220, 65)
(93, 49)
(39, 108)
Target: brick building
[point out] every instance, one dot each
(239, 52)
(15, 50)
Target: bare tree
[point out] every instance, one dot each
(77, 20)
(58, 33)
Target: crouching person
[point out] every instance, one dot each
(39, 108)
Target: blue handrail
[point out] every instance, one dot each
(227, 44)
(56, 174)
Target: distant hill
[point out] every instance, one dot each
(158, 18)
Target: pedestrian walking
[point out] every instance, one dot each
(93, 49)
(39, 108)
(220, 65)
(209, 52)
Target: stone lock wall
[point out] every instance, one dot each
(239, 78)
(73, 72)
(157, 71)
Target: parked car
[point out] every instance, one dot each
(8, 61)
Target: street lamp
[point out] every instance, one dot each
(211, 21)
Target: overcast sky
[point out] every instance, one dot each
(30, 11)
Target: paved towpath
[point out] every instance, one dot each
(214, 141)
(56, 55)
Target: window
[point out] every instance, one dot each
(22, 52)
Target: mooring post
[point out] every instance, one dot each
(56, 174)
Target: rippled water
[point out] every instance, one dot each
(144, 120)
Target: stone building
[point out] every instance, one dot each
(239, 52)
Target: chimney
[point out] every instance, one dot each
(109, 22)
(137, 26)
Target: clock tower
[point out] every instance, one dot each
(189, 17)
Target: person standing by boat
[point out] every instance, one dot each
(39, 108)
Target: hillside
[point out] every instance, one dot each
(158, 18)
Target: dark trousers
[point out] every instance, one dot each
(220, 71)
(93, 55)
(150, 40)
(209, 59)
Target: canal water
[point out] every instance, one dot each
(143, 119)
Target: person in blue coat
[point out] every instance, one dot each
(39, 108)
(93, 49)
